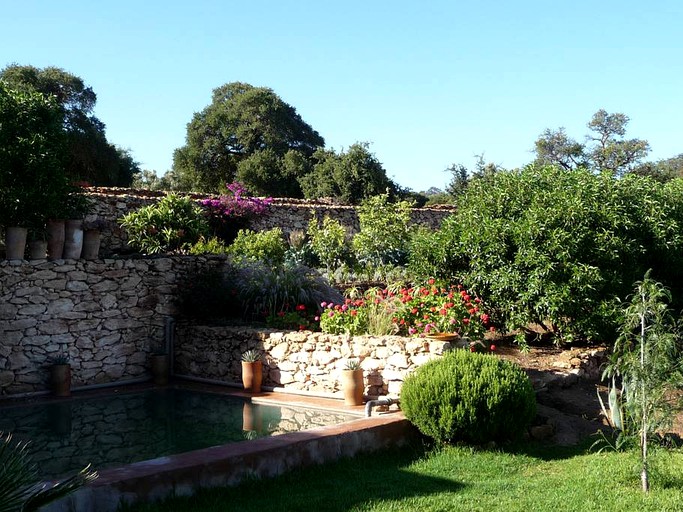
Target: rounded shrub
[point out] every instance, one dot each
(469, 397)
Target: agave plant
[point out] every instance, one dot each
(21, 489)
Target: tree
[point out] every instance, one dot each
(32, 182)
(350, 176)
(90, 156)
(605, 148)
(244, 122)
(646, 358)
(662, 170)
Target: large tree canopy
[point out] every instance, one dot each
(246, 133)
(90, 156)
(350, 176)
(606, 149)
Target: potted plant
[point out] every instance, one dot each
(92, 236)
(60, 375)
(252, 371)
(159, 362)
(352, 382)
(37, 242)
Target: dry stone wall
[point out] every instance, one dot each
(302, 361)
(106, 315)
(110, 204)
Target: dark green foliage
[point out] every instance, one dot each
(89, 156)
(469, 397)
(248, 131)
(559, 248)
(351, 176)
(33, 186)
(172, 224)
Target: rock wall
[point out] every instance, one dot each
(301, 361)
(106, 315)
(109, 204)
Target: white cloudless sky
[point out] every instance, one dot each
(426, 83)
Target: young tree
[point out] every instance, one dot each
(646, 358)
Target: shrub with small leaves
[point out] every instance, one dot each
(469, 397)
(267, 246)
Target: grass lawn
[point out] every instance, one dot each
(530, 477)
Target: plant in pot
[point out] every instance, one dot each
(92, 236)
(77, 206)
(37, 241)
(60, 375)
(159, 362)
(252, 371)
(352, 382)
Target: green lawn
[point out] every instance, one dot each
(529, 478)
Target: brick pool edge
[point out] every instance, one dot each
(228, 465)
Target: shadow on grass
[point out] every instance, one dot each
(335, 487)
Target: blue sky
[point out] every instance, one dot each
(426, 83)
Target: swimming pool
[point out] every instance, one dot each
(115, 429)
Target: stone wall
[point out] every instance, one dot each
(301, 361)
(106, 315)
(110, 204)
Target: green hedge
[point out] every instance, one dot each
(469, 397)
(559, 248)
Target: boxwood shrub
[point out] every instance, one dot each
(469, 397)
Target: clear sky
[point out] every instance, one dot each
(426, 83)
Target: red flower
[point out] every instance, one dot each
(301, 307)
(492, 348)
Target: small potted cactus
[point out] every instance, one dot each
(252, 371)
(352, 382)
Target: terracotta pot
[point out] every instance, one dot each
(60, 379)
(252, 376)
(353, 386)
(55, 239)
(37, 249)
(251, 417)
(160, 368)
(91, 244)
(73, 239)
(15, 243)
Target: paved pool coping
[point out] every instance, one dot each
(227, 465)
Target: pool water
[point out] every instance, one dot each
(118, 429)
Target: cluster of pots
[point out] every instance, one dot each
(66, 239)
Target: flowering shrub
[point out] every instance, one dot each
(229, 213)
(419, 311)
(300, 317)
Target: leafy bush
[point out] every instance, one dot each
(169, 225)
(469, 397)
(267, 246)
(384, 232)
(328, 242)
(265, 290)
(213, 245)
(558, 248)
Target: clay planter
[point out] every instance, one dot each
(55, 239)
(73, 239)
(352, 386)
(160, 368)
(37, 249)
(60, 379)
(15, 243)
(91, 244)
(252, 376)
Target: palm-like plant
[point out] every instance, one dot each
(21, 489)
